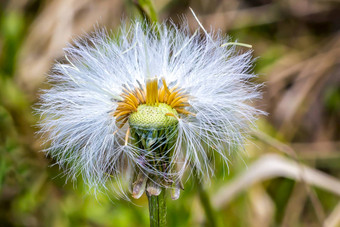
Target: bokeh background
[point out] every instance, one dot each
(289, 175)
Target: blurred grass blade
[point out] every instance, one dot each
(147, 9)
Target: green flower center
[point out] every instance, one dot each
(153, 117)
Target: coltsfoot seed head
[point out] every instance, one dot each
(147, 105)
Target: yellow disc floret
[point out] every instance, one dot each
(146, 103)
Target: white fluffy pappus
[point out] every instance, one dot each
(77, 111)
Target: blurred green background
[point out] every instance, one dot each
(290, 173)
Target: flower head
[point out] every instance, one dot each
(153, 101)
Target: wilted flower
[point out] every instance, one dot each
(146, 105)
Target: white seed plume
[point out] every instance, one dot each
(77, 111)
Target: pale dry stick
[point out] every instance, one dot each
(294, 206)
(333, 220)
(270, 166)
(262, 206)
(292, 153)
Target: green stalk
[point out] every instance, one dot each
(205, 201)
(157, 210)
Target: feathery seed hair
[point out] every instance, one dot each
(146, 105)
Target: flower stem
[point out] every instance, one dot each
(157, 210)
